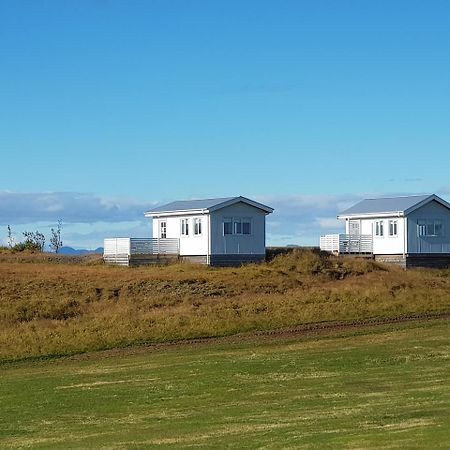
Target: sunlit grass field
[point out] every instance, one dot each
(384, 387)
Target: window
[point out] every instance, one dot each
(379, 228)
(227, 226)
(163, 230)
(197, 226)
(237, 226)
(246, 226)
(393, 227)
(430, 227)
(184, 227)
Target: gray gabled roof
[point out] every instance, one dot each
(204, 205)
(186, 205)
(392, 205)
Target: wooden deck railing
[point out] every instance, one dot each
(347, 243)
(155, 246)
(124, 248)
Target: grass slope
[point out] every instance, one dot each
(56, 306)
(387, 388)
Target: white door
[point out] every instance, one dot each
(353, 227)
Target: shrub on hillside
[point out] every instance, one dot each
(310, 262)
(34, 242)
(26, 246)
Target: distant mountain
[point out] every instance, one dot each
(78, 251)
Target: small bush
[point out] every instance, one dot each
(310, 262)
(27, 246)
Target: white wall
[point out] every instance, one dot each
(387, 245)
(191, 245)
(253, 244)
(384, 245)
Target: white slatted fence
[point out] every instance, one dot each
(347, 243)
(120, 250)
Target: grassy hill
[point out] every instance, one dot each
(56, 305)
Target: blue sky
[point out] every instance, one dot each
(109, 107)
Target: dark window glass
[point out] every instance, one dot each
(227, 228)
(237, 228)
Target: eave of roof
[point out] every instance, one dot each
(374, 214)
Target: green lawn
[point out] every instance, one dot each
(386, 387)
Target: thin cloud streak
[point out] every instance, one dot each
(297, 219)
(72, 207)
(301, 219)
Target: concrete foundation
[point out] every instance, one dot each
(431, 260)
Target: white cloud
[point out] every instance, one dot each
(91, 236)
(328, 222)
(301, 219)
(71, 207)
(88, 218)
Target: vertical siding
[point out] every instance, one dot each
(425, 244)
(253, 244)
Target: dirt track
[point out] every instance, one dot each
(286, 333)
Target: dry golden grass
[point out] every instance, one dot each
(52, 306)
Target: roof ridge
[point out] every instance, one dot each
(199, 199)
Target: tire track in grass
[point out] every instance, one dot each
(321, 328)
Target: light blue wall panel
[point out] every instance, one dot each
(429, 244)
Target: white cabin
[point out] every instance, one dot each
(405, 230)
(220, 231)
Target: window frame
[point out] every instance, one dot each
(424, 224)
(393, 223)
(197, 226)
(236, 225)
(250, 223)
(163, 225)
(184, 225)
(379, 228)
(227, 221)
